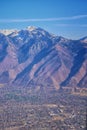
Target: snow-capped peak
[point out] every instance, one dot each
(84, 39)
(8, 31)
(31, 28)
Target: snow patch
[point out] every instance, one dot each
(7, 31)
(31, 28)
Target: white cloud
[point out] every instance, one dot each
(71, 25)
(83, 25)
(43, 20)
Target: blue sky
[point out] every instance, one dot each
(67, 18)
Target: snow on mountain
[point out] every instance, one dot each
(84, 39)
(34, 56)
(31, 28)
(7, 31)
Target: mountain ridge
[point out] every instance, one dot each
(34, 56)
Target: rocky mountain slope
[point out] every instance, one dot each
(35, 57)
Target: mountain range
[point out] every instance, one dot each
(35, 57)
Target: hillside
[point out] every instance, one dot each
(35, 57)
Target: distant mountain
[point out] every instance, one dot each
(34, 57)
(7, 31)
(84, 39)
